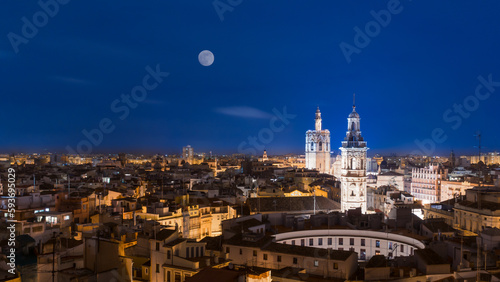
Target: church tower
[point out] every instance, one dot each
(318, 147)
(353, 172)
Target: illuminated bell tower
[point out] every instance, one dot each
(353, 172)
(318, 147)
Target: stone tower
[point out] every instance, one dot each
(318, 147)
(353, 169)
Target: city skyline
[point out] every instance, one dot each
(413, 75)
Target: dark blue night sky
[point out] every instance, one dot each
(268, 55)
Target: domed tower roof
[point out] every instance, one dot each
(354, 114)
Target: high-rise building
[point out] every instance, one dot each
(353, 172)
(318, 147)
(188, 154)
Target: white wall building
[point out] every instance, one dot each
(365, 243)
(353, 175)
(426, 183)
(318, 147)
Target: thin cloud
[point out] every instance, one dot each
(71, 80)
(243, 112)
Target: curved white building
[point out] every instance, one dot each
(365, 243)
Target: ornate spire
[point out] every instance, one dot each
(318, 120)
(353, 101)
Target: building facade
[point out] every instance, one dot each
(353, 172)
(318, 147)
(426, 183)
(364, 242)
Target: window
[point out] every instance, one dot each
(316, 263)
(377, 244)
(329, 241)
(341, 241)
(254, 253)
(390, 245)
(157, 268)
(320, 241)
(177, 277)
(335, 265)
(302, 242)
(168, 254)
(293, 242)
(351, 249)
(265, 256)
(362, 254)
(294, 260)
(168, 276)
(157, 246)
(362, 242)
(402, 248)
(241, 251)
(227, 250)
(311, 242)
(351, 241)
(279, 258)
(377, 252)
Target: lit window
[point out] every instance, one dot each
(316, 263)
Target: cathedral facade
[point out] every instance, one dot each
(353, 167)
(318, 147)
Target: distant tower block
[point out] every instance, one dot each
(188, 154)
(353, 172)
(318, 147)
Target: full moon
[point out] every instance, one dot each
(206, 58)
